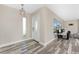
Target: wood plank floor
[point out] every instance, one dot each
(70, 46)
(25, 47)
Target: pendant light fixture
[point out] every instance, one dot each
(22, 11)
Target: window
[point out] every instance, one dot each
(24, 25)
(56, 23)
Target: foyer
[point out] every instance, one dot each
(39, 29)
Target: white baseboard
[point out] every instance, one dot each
(49, 42)
(45, 44)
(41, 43)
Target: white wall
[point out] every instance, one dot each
(46, 29)
(74, 28)
(29, 26)
(49, 19)
(10, 25)
(42, 25)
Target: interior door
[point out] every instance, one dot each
(35, 27)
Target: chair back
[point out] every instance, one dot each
(68, 34)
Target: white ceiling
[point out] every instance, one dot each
(27, 7)
(65, 11)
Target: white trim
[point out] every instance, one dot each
(41, 43)
(7, 44)
(44, 46)
(49, 42)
